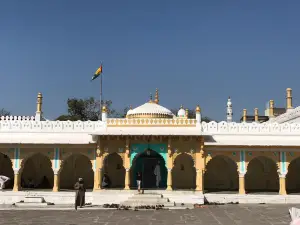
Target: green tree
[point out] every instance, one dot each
(89, 109)
(4, 112)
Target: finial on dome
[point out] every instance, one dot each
(130, 107)
(198, 109)
(104, 109)
(156, 96)
(181, 106)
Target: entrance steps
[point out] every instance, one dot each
(151, 201)
(32, 202)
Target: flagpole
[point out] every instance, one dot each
(100, 116)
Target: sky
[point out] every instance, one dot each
(194, 52)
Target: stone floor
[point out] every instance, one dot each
(210, 215)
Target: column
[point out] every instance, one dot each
(199, 180)
(169, 180)
(282, 184)
(242, 184)
(56, 169)
(127, 164)
(17, 171)
(127, 179)
(200, 166)
(282, 173)
(56, 183)
(17, 183)
(169, 164)
(98, 164)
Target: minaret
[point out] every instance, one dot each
(229, 110)
(39, 112)
(156, 100)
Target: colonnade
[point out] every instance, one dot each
(199, 170)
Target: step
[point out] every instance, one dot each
(34, 200)
(135, 204)
(149, 199)
(31, 204)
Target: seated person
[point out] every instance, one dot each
(105, 181)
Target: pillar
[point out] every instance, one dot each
(17, 183)
(199, 180)
(127, 164)
(282, 185)
(56, 183)
(98, 164)
(242, 184)
(289, 104)
(169, 180)
(271, 108)
(245, 115)
(200, 166)
(127, 179)
(256, 114)
(169, 165)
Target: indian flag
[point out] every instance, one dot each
(97, 73)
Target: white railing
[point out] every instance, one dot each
(295, 113)
(151, 122)
(50, 126)
(20, 118)
(91, 126)
(250, 128)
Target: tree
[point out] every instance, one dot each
(4, 112)
(89, 109)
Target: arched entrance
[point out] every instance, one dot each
(74, 167)
(113, 167)
(7, 170)
(183, 172)
(37, 172)
(262, 175)
(292, 177)
(146, 162)
(221, 174)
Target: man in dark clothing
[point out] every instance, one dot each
(80, 193)
(105, 181)
(139, 180)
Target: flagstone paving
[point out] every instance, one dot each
(210, 215)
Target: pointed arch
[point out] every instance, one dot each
(76, 166)
(6, 169)
(113, 167)
(183, 172)
(262, 175)
(292, 177)
(36, 172)
(221, 174)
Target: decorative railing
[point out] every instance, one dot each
(250, 128)
(20, 118)
(50, 126)
(295, 113)
(20, 126)
(151, 122)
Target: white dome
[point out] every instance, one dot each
(181, 112)
(150, 110)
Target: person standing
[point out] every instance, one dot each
(80, 193)
(157, 173)
(139, 180)
(3, 180)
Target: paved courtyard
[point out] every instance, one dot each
(224, 214)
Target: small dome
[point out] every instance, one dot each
(181, 112)
(150, 110)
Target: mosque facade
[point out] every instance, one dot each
(194, 155)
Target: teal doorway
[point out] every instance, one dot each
(145, 163)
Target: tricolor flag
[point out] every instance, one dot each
(97, 73)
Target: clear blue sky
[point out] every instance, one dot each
(195, 52)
